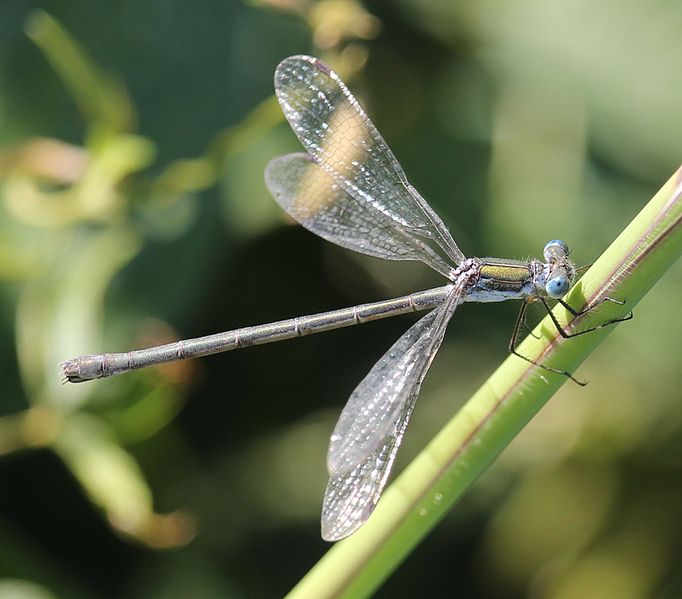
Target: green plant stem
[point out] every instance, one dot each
(499, 410)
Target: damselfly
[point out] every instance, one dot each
(349, 189)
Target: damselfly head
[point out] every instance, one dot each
(559, 269)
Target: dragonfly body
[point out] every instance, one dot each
(484, 280)
(349, 188)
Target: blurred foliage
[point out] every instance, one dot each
(133, 137)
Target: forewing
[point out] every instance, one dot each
(337, 133)
(314, 199)
(371, 427)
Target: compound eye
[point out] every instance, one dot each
(557, 287)
(555, 249)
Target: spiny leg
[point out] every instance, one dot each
(576, 313)
(521, 319)
(524, 322)
(514, 341)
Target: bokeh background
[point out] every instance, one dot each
(133, 137)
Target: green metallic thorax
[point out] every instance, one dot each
(504, 276)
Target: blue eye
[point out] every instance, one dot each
(557, 286)
(555, 249)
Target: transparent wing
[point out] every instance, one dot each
(336, 132)
(314, 199)
(350, 499)
(371, 427)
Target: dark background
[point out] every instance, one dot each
(520, 122)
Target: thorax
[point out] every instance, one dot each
(498, 280)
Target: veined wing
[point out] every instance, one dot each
(337, 133)
(314, 199)
(373, 422)
(350, 498)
